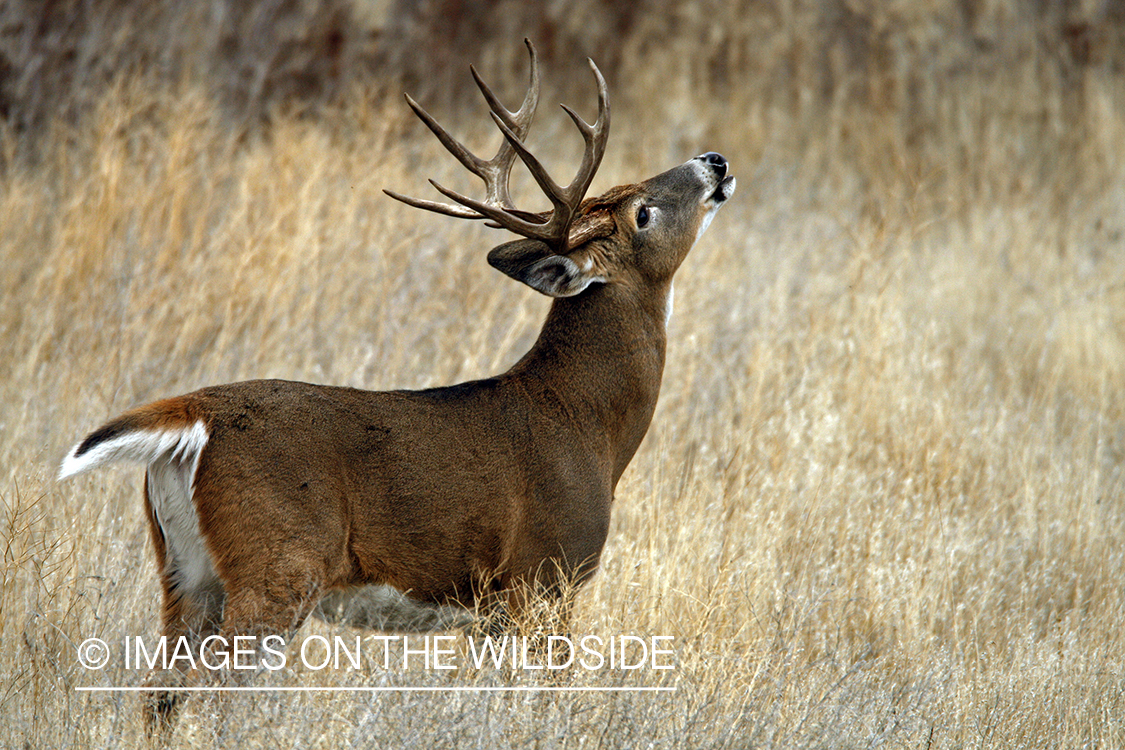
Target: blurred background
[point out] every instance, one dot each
(913, 86)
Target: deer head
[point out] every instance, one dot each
(632, 235)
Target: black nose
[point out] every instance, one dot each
(717, 161)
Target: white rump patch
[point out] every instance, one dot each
(170, 492)
(172, 457)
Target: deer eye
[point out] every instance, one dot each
(642, 216)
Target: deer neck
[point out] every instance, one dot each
(599, 360)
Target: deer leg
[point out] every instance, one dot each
(193, 598)
(189, 618)
(268, 602)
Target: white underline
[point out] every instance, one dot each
(408, 689)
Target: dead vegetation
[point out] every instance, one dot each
(881, 502)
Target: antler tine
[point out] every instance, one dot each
(564, 200)
(504, 218)
(520, 120)
(499, 168)
(495, 171)
(471, 161)
(596, 137)
(458, 212)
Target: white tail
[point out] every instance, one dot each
(178, 445)
(264, 495)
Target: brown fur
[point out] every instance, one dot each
(486, 489)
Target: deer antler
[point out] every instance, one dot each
(497, 205)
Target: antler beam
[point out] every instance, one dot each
(497, 204)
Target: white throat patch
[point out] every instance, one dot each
(707, 217)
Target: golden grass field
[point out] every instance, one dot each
(881, 503)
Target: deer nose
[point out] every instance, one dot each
(716, 161)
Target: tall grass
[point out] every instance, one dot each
(881, 502)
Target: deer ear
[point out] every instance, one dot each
(533, 263)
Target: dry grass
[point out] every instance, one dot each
(881, 502)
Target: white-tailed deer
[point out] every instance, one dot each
(263, 495)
